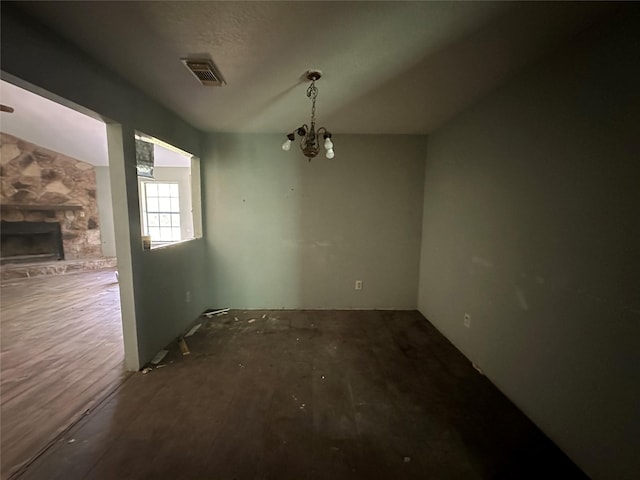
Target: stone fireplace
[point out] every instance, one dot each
(48, 205)
(30, 242)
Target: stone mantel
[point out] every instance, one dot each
(42, 208)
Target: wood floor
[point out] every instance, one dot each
(307, 395)
(62, 351)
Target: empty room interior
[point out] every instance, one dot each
(320, 240)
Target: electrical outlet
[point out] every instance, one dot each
(358, 284)
(187, 296)
(467, 320)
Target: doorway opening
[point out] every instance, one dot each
(62, 347)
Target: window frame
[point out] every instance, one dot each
(172, 212)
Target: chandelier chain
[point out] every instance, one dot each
(312, 93)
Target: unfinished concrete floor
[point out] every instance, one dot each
(307, 395)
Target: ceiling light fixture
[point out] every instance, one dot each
(310, 142)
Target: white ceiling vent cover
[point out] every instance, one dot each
(204, 70)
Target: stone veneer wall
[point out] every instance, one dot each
(32, 176)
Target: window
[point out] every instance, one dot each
(169, 192)
(161, 212)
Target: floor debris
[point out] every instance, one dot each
(159, 356)
(193, 330)
(264, 316)
(146, 370)
(72, 440)
(407, 459)
(183, 346)
(211, 313)
(252, 320)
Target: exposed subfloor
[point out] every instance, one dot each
(61, 351)
(307, 395)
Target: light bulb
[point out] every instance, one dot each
(330, 154)
(328, 144)
(286, 146)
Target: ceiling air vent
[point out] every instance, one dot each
(204, 70)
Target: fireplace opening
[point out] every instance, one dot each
(30, 242)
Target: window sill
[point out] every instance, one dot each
(164, 246)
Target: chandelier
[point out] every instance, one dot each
(310, 142)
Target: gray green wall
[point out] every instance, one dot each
(531, 225)
(105, 211)
(153, 284)
(286, 233)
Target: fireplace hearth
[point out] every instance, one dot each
(22, 242)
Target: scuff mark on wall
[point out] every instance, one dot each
(483, 262)
(522, 301)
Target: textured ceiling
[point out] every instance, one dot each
(389, 67)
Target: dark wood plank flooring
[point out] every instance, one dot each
(61, 351)
(307, 395)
